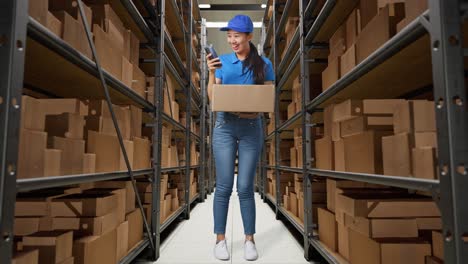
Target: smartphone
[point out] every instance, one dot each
(210, 50)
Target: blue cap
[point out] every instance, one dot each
(239, 23)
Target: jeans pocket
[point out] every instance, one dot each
(219, 123)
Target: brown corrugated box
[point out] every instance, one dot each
(379, 30)
(348, 60)
(73, 32)
(331, 74)
(127, 185)
(141, 155)
(122, 240)
(364, 250)
(26, 257)
(438, 245)
(380, 106)
(38, 10)
(96, 249)
(368, 10)
(363, 152)
(343, 241)
(333, 185)
(425, 139)
(397, 155)
(328, 229)
(139, 80)
(346, 110)
(337, 43)
(433, 260)
(87, 225)
(382, 228)
(415, 8)
(353, 27)
(72, 154)
(36, 203)
(324, 153)
(243, 98)
(31, 153)
(291, 109)
(30, 225)
(339, 156)
(414, 116)
(135, 227)
(389, 205)
(32, 116)
(52, 161)
(424, 163)
(67, 125)
(54, 24)
(293, 203)
(84, 205)
(108, 154)
(89, 163)
(54, 246)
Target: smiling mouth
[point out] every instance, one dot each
(235, 47)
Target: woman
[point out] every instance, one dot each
(240, 133)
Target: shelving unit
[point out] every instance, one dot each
(430, 48)
(27, 46)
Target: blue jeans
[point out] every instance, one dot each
(232, 134)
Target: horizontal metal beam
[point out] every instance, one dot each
(172, 218)
(23, 185)
(284, 18)
(321, 18)
(289, 51)
(287, 74)
(395, 181)
(135, 14)
(324, 252)
(290, 169)
(290, 121)
(293, 221)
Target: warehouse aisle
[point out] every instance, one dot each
(192, 241)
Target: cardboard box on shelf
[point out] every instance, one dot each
(328, 229)
(343, 240)
(348, 60)
(368, 9)
(363, 152)
(54, 246)
(111, 60)
(425, 139)
(109, 157)
(72, 9)
(397, 155)
(142, 153)
(127, 185)
(353, 28)
(136, 120)
(26, 257)
(414, 116)
(38, 10)
(382, 228)
(382, 251)
(291, 109)
(32, 145)
(73, 32)
(89, 163)
(52, 161)
(96, 249)
(346, 110)
(424, 163)
(299, 150)
(429, 223)
(331, 74)
(414, 8)
(243, 98)
(32, 114)
(380, 106)
(386, 206)
(127, 72)
(26, 225)
(337, 43)
(60, 106)
(175, 111)
(54, 24)
(122, 240)
(293, 157)
(333, 185)
(72, 154)
(339, 156)
(437, 245)
(135, 227)
(67, 125)
(379, 30)
(293, 203)
(87, 225)
(433, 260)
(175, 204)
(324, 153)
(83, 205)
(139, 81)
(300, 208)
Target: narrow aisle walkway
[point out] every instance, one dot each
(192, 241)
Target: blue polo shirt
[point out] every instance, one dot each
(231, 71)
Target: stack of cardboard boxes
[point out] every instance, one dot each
(78, 225)
(69, 136)
(285, 148)
(296, 151)
(367, 225)
(169, 152)
(392, 136)
(169, 200)
(370, 25)
(296, 104)
(171, 107)
(117, 47)
(293, 197)
(290, 29)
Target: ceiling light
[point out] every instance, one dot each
(263, 5)
(204, 6)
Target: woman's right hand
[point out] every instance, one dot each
(213, 64)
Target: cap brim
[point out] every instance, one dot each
(235, 29)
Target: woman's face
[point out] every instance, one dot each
(239, 41)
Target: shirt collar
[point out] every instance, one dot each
(234, 58)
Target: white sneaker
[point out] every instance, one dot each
(250, 251)
(221, 251)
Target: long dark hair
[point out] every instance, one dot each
(254, 63)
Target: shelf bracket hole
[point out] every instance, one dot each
(6, 237)
(457, 100)
(19, 45)
(448, 236)
(436, 45)
(11, 169)
(453, 40)
(444, 170)
(14, 103)
(461, 169)
(440, 103)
